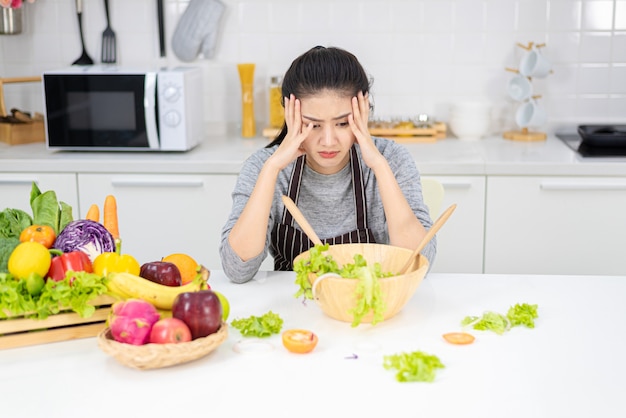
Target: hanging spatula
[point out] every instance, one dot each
(109, 43)
(84, 58)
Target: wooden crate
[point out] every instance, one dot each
(67, 325)
(22, 133)
(436, 131)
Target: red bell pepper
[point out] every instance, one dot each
(72, 261)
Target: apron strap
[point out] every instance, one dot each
(360, 202)
(294, 187)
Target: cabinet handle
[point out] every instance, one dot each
(456, 185)
(18, 182)
(157, 183)
(553, 185)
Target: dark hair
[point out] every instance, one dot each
(319, 69)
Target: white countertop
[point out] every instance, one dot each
(225, 155)
(571, 365)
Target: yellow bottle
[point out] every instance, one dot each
(277, 112)
(246, 77)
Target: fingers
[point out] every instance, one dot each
(293, 116)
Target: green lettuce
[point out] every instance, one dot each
(74, 292)
(13, 222)
(413, 367)
(517, 315)
(259, 326)
(369, 297)
(522, 314)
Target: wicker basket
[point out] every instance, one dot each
(156, 356)
(336, 295)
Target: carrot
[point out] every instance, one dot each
(93, 214)
(110, 216)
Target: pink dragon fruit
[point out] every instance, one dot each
(131, 321)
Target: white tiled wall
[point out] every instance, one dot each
(422, 54)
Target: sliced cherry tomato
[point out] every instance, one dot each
(299, 340)
(459, 338)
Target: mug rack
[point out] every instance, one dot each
(525, 134)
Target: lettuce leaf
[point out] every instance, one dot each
(13, 222)
(75, 292)
(368, 293)
(369, 296)
(413, 367)
(259, 326)
(522, 314)
(517, 315)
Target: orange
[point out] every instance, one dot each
(186, 264)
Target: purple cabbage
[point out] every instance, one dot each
(87, 236)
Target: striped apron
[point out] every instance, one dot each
(287, 241)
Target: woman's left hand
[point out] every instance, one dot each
(358, 121)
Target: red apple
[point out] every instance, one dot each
(161, 272)
(201, 311)
(169, 330)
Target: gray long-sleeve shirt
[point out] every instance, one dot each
(327, 202)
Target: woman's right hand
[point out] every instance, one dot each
(290, 148)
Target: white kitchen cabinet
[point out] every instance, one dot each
(15, 189)
(556, 225)
(460, 240)
(164, 214)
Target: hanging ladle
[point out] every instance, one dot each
(299, 217)
(429, 235)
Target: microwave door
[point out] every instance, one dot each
(150, 110)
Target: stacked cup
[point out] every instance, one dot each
(470, 120)
(533, 64)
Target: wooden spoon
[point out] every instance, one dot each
(429, 235)
(299, 217)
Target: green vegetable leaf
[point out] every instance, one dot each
(492, 321)
(522, 314)
(519, 314)
(413, 367)
(369, 297)
(74, 292)
(259, 326)
(47, 210)
(7, 245)
(318, 264)
(65, 216)
(13, 222)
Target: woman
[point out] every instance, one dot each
(350, 186)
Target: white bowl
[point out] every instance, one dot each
(468, 128)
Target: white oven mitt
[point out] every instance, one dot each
(197, 29)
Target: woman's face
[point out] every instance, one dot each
(328, 145)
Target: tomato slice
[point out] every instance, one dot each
(460, 338)
(299, 341)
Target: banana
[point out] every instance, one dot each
(129, 286)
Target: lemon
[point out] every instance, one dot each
(27, 258)
(225, 305)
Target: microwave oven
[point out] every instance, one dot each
(110, 108)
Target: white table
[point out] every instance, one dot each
(573, 364)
